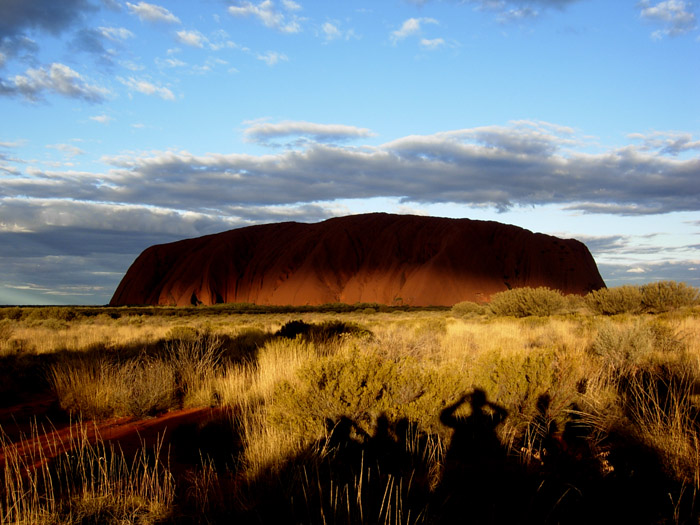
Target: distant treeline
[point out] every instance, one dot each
(68, 313)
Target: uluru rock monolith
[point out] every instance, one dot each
(372, 258)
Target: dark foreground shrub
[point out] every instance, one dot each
(321, 332)
(524, 302)
(612, 301)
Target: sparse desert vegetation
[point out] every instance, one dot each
(536, 408)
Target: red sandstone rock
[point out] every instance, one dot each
(372, 258)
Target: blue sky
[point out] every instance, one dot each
(126, 124)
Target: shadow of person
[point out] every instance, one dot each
(475, 468)
(541, 440)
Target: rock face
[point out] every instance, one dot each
(373, 258)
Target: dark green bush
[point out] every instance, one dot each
(524, 302)
(319, 332)
(665, 296)
(611, 301)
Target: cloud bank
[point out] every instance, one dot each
(521, 164)
(102, 220)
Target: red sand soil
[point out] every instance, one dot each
(371, 258)
(32, 434)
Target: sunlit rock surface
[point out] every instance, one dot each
(372, 258)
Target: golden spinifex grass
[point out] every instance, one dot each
(409, 417)
(82, 480)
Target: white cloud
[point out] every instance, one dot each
(116, 33)
(58, 78)
(171, 62)
(152, 13)
(332, 31)
(69, 149)
(270, 16)
(272, 58)
(264, 132)
(675, 16)
(191, 38)
(432, 44)
(102, 119)
(671, 143)
(517, 14)
(289, 5)
(410, 27)
(514, 10)
(147, 88)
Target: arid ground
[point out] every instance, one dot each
(535, 408)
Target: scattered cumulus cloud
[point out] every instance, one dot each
(147, 88)
(102, 119)
(517, 14)
(191, 38)
(284, 20)
(272, 58)
(171, 62)
(116, 34)
(289, 5)
(410, 27)
(432, 44)
(618, 274)
(56, 78)
(332, 31)
(152, 13)
(68, 149)
(676, 17)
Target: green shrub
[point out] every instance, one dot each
(618, 300)
(622, 346)
(61, 313)
(518, 381)
(664, 296)
(524, 302)
(361, 386)
(468, 309)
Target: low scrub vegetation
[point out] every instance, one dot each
(524, 302)
(535, 408)
(659, 297)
